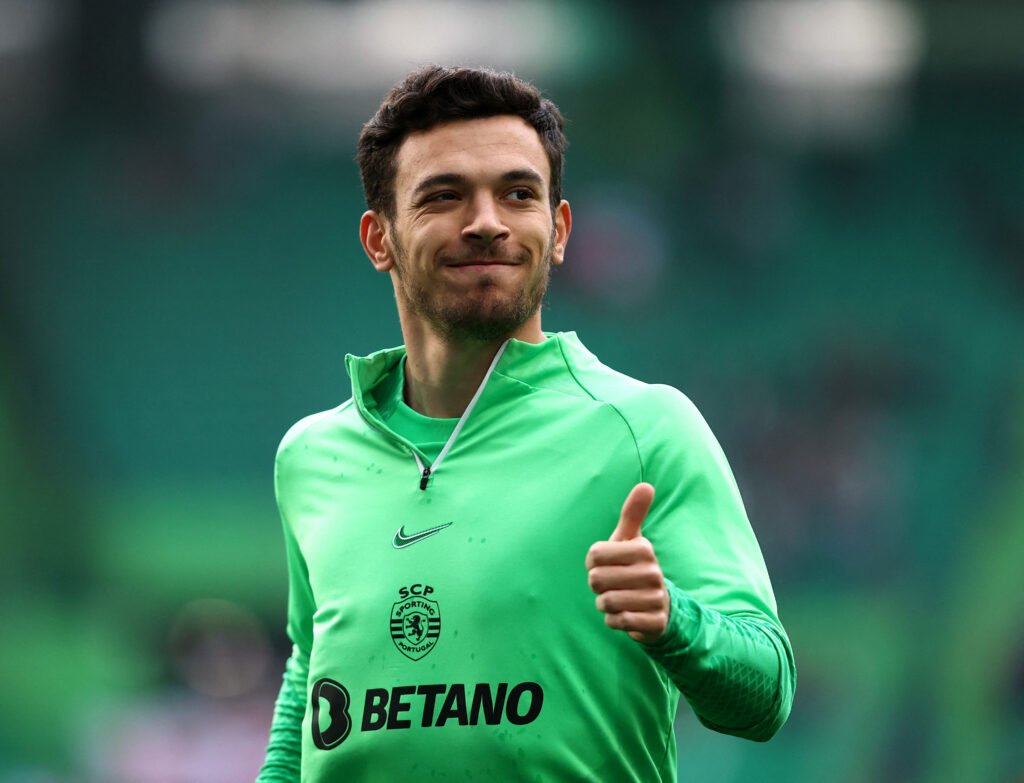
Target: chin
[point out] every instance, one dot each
(490, 320)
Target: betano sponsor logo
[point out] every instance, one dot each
(384, 709)
(425, 706)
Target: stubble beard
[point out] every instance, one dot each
(485, 314)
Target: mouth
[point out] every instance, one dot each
(485, 268)
(480, 263)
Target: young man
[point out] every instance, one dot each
(448, 526)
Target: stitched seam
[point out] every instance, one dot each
(632, 434)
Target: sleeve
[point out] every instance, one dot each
(736, 672)
(283, 760)
(284, 750)
(724, 648)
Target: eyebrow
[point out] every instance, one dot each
(450, 178)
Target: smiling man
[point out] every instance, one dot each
(448, 527)
(469, 236)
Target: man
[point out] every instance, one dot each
(447, 527)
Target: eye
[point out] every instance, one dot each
(521, 194)
(439, 197)
(444, 195)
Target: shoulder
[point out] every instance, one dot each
(661, 416)
(639, 403)
(664, 422)
(662, 403)
(674, 442)
(310, 429)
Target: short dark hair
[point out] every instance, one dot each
(433, 95)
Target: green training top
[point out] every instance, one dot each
(442, 622)
(427, 434)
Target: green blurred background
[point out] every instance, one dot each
(806, 214)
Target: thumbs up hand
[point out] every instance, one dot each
(625, 574)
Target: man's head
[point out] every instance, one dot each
(434, 95)
(460, 169)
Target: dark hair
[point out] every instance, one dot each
(433, 95)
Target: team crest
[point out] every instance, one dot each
(415, 622)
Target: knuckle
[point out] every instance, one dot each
(652, 572)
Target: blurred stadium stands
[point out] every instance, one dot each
(805, 214)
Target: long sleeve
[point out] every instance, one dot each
(724, 648)
(284, 750)
(283, 760)
(736, 671)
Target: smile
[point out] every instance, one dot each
(480, 266)
(480, 262)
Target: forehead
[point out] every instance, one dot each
(473, 148)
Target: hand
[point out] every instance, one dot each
(625, 574)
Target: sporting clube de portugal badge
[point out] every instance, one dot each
(415, 621)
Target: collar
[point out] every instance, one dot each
(534, 364)
(531, 364)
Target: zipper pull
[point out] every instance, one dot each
(425, 478)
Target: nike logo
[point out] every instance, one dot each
(402, 540)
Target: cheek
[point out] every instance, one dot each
(428, 239)
(535, 236)
(544, 244)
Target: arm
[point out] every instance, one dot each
(703, 606)
(284, 750)
(736, 671)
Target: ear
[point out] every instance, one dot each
(563, 227)
(373, 235)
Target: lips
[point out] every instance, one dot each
(481, 262)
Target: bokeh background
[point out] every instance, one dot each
(806, 214)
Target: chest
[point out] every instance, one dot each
(503, 522)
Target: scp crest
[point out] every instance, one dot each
(415, 621)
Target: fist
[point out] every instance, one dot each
(624, 573)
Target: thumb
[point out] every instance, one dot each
(634, 511)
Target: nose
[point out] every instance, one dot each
(484, 223)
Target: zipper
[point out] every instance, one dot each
(426, 471)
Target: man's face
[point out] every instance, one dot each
(473, 236)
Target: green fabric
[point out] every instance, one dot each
(724, 666)
(428, 434)
(523, 680)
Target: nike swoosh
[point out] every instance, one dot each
(402, 540)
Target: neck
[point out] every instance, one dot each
(441, 376)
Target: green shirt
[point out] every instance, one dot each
(448, 632)
(429, 435)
